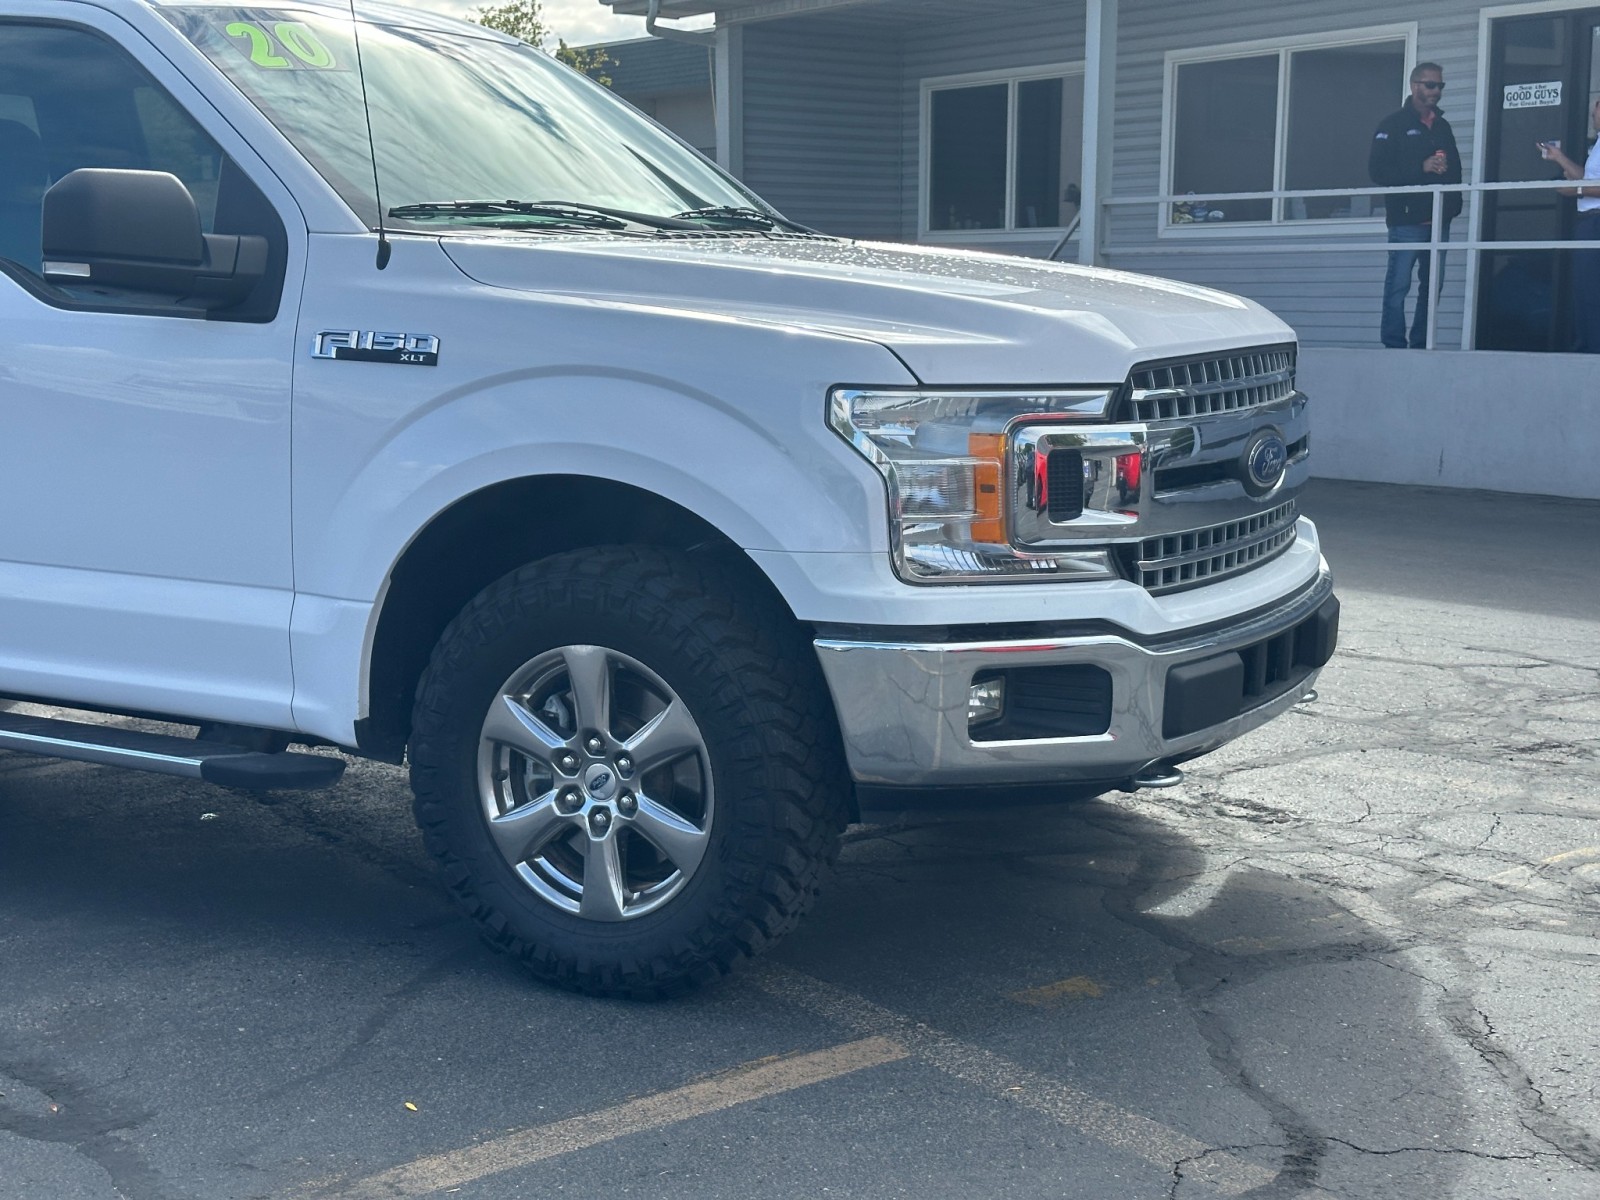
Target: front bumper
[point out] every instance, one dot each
(902, 706)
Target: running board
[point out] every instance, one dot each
(213, 762)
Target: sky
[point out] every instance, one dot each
(578, 22)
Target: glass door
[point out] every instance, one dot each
(1544, 72)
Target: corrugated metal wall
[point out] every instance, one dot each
(832, 128)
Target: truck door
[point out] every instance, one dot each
(144, 446)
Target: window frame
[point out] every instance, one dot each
(1012, 77)
(1284, 48)
(163, 76)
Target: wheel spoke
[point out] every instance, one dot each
(589, 671)
(683, 844)
(602, 881)
(511, 724)
(669, 735)
(522, 832)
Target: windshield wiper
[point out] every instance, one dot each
(502, 208)
(592, 215)
(737, 215)
(598, 216)
(653, 220)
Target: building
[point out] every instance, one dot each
(1223, 144)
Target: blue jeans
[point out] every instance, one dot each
(1586, 284)
(1397, 282)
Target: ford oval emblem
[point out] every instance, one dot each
(1265, 461)
(600, 782)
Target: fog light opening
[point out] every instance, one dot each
(986, 701)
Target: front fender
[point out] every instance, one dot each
(766, 488)
(723, 417)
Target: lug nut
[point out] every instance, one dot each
(627, 805)
(570, 800)
(594, 745)
(599, 821)
(568, 762)
(624, 765)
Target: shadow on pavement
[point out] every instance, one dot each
(1098, 947)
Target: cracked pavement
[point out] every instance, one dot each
(1353, 956)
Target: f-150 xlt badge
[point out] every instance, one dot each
(356, 345)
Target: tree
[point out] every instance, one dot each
(522, 19)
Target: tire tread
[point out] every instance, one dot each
(765, 686)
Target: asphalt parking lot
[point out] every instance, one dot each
(1354, 955)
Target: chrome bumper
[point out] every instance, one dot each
(902, 706)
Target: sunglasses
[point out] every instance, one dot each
(1432, 87)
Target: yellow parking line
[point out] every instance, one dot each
(1079, 987)
(1528, 878)
(751, 1081)
(1106, 1123)
(1580, 852)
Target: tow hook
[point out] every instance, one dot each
(1156, 775)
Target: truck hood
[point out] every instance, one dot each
(953, 317)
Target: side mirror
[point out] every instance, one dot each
(141, 230)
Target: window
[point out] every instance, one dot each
(1280, 118)
(1002, 153)
(70, 99)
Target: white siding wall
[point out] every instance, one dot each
(822, 125)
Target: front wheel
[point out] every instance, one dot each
(629, 776)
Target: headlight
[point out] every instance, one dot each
(943, 457)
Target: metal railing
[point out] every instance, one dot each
(1232, 239)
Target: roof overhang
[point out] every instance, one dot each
(730, 10)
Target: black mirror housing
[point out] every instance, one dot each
(97, 213)
(141, 230)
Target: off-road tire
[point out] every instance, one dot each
(749, 678)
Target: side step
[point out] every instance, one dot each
(214, 762)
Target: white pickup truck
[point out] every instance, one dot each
(389, 387)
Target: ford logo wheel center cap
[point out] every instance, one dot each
(600, 782)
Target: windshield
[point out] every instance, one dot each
(454, 117)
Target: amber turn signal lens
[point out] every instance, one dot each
(988, 452)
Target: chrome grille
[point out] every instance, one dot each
(1179, 560)
(1200, 387)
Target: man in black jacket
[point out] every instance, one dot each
(1414, 145)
